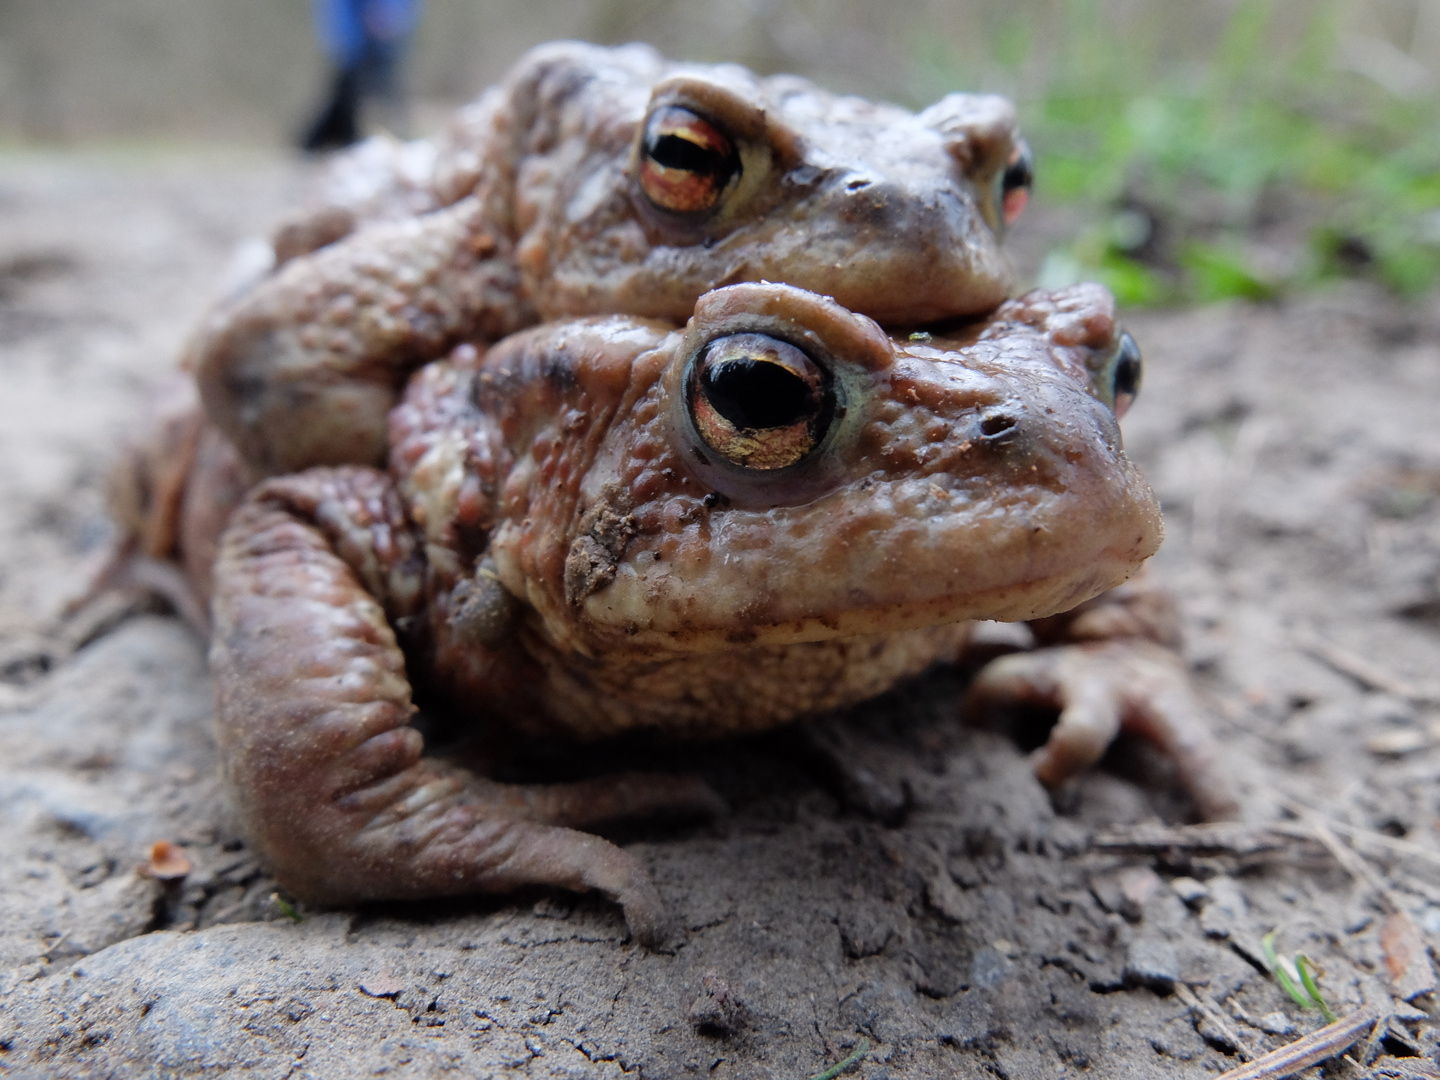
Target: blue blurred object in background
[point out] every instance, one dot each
(366, 42)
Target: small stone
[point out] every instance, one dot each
(944, 895)
(1137, 885)
(1430, 920)
(1124, 892)
(1408, 1014)
(1275, 1023)
(968, 1022)
(553, 907)
(866, 927)
(1152, 963)
(1193, 893)
(1227, 910)
(716, 1010)
(989, 969)
(1396, 742)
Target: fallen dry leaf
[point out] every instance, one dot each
(1405, 956)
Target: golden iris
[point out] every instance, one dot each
(758, 401)
(688, 162)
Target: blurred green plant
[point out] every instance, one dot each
(1296, 977)
(1265, 169)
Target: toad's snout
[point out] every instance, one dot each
(941, 256)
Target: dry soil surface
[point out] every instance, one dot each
(990, 929)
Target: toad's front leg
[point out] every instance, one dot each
(1110, 665)
(314, 711)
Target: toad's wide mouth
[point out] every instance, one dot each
(909, 554)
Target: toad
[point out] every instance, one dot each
(610, 525)
(603, 181)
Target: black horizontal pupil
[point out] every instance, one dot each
(1127, 368)
(677, 152)
(754, 393)
(1018, 175)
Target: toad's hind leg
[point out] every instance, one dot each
(314, 712)
(303, 368)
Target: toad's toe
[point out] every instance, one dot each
(1102, 689)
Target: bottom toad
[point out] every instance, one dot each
(612, 525)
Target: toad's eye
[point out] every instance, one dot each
(687, 161)
(758, 401)
(1014, 184)
(1119, 380)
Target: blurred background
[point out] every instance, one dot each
(1187, 149)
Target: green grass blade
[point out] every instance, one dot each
(839, 1067)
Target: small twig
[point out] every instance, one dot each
(1329, 1041)
(1218, 1019)
(1406, 958)
(1370, 836)
(1366, 671)
(1346, 856)
(839, 1067)
(49, 953)
(1246, 841)
(1227, 839)
(1377, 1032)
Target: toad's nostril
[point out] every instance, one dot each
(858, 184)
(997, 424)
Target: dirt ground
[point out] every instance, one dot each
(994, 929)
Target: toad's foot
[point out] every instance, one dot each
(171, 493)
(1101, 689)
(314, 714)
